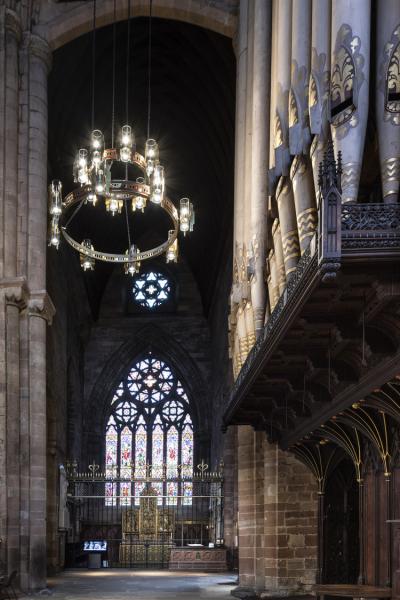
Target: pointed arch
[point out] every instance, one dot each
(149, 338)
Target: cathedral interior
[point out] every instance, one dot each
(200, 298)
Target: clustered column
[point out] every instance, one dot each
(24, 305)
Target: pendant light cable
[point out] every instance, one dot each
(127, 111)
(127, 63)
(149, 73)
(113, 74)
(93, 60)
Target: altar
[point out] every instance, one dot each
(187, 558)
(146, 533)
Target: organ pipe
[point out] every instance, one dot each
(387, 96)
(349, 89)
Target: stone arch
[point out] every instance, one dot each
(67, 21)
(150, 337)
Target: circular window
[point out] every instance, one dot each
(151, 289)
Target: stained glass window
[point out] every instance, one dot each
(111, 461)
(125, 462)
(151, 289)
(149, 432)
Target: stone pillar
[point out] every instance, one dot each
(259, 152)
(40, 308)
(290, 524)
(251, 511)
(12, 293)
(230, 494)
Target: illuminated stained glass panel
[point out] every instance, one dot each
(140, 458)
(187, 460)
(111, 461)
(157, 458)
(172, 464)
(150, 381)
(125, 465)
(152, 289)
(150, 413)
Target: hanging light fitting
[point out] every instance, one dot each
(93, 171)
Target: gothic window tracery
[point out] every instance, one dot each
(151, 289)
(149, 424)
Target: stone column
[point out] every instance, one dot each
(230, 494)
(387, 105)
(40, 308)
(259, 152)
(251, 511)
(349, 95)
(12, 293)
(290, 524)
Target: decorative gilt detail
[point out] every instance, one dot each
(13, 23)
(346, 80)
(390, 173)
(307, 223)
(350, 178)
(16, 292)
(40, 305)
(389, 83)
(318, 92)
(291, 246)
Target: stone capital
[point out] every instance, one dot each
(16, 292)
(12, 23)
(39, 48)
(40, 305)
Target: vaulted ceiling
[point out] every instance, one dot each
(192, 117)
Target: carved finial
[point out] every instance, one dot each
(330, 171)
(93, 468)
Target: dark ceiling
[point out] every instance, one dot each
(192, 118)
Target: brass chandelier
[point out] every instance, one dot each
(144, 182)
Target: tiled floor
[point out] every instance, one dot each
(115, 584)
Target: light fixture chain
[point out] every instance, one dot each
(75, 212)
(149, 73)
(127, 62)
(93, 60)
(113, 75)
(127, 224)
